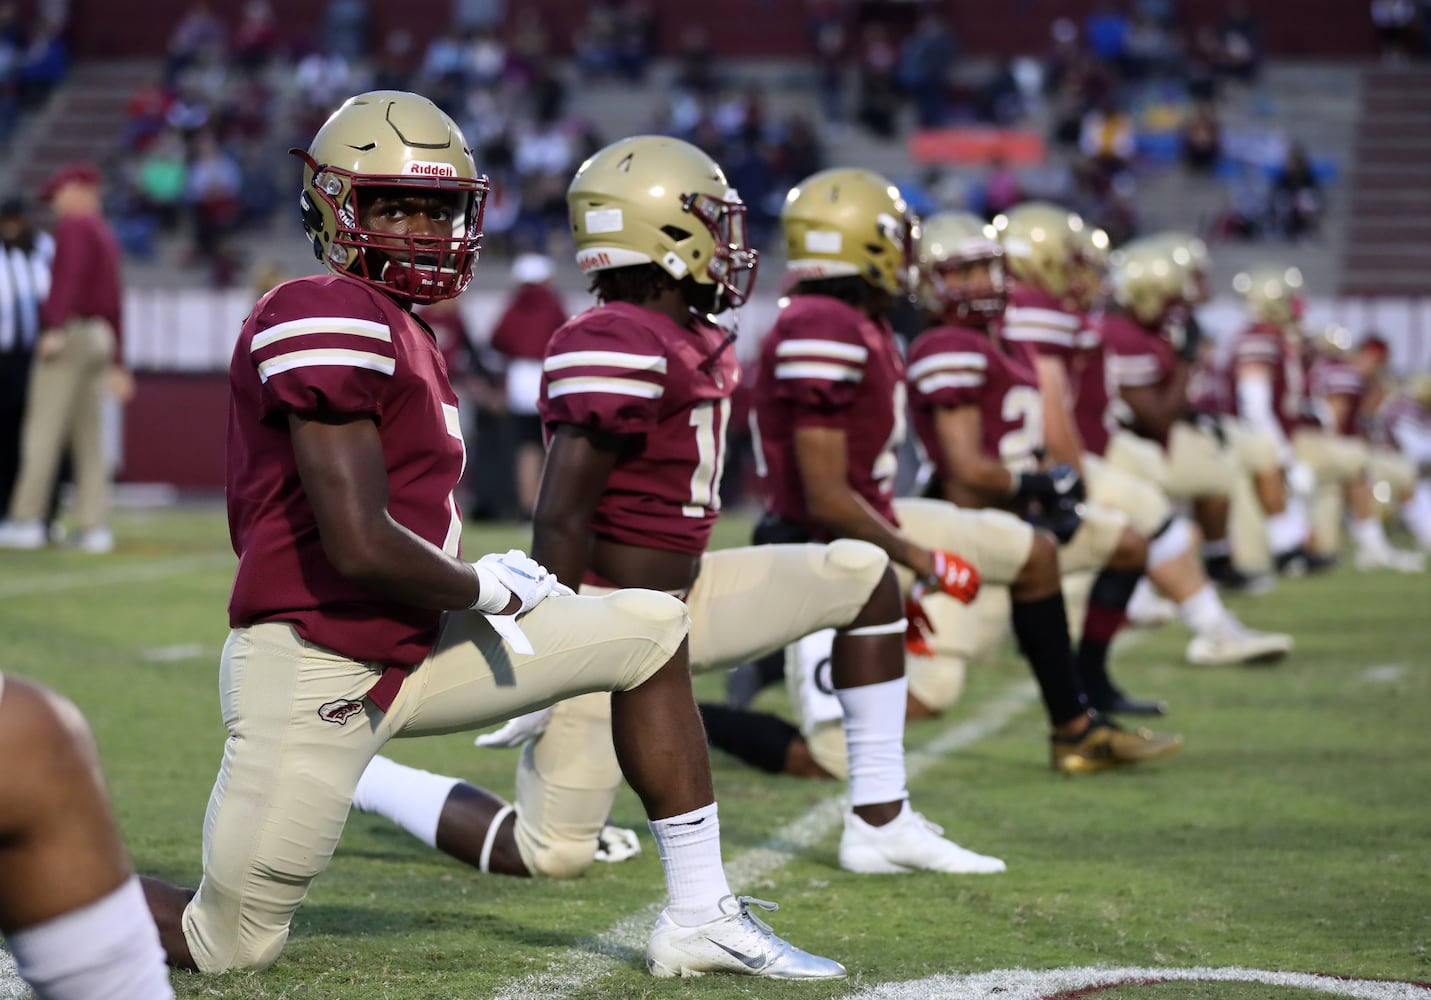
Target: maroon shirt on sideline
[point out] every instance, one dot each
(826, 364)
(954, 367)
(627, 370)
(84, 278)
(333, 346)
(526, 327)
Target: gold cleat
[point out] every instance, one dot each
(1106, 745)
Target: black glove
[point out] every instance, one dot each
(1053, 499)
(1186, 338)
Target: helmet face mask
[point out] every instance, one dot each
(393, 145)
(961, 269)
(658, 200)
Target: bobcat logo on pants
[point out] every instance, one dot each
(339, 711)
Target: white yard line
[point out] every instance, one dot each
(109, 576)
(1028, 984)
(576, 968)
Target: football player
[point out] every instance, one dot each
(1340, 382)
(636, 395)
(1057, 263)
(355, 621)
(975, 401)
(1269, 375)
(1402, 426)
(71, 909)
(830, 404)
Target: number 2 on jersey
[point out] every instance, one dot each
(709, 419)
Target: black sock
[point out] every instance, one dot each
(1107, 613)
(772, 667)
(1041, 628)
(1219, 565)
(758, 738)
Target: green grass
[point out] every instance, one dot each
(1293, 832)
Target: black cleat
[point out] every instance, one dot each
(1119, 703)
(1301, 561)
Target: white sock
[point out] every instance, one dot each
(410, 797)
(1288, 530)
(689, 846)
(109, 948)
(874, 740)
(1416, 513)
(1203, 611)
(1216, 549)
(1369, 534)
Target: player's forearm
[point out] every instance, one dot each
(978, 483)
(561, 542)
(843, 513)
(1062, 443)
(396, 564)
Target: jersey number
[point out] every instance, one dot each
(887, 464)
(1022, 406)
(710, 420)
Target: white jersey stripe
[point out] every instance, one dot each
(933, 383)
(822, 349)
(580, 384)
(818, 369)
(1034, 316)
(948, 359)
(1032, 332)
(605, 359)
(318, 325)
(325, 358)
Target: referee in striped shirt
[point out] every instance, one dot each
(25, 258)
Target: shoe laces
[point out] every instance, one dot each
(746, 902)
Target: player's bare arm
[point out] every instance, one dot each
(1061, 436)
(974, 479)
(578, 463)
(345, 478)
(821, 455)
(1157, 407)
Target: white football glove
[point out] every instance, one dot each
(616, 843)
(522, 729)
(513, 573)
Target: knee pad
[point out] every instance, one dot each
(668, 614)
(856, 558)
(561, 859)
(936, 682)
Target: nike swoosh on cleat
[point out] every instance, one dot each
(753, 962)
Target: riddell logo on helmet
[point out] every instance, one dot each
(429, 168)
(592, 260)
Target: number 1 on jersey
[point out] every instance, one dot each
(709, 419)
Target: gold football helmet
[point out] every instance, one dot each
(1151, 278)
(390, 139)
(1419, 389)
(1054, 250)
(950, 242)
(850, 222)
(652, 199)
(1271, 294)
(1191, 251)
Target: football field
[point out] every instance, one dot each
(1289, 842)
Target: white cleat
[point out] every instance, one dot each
(908, 843)
(738, 943)
(1233, 643)
(22, 535)
(616, 843)
(1386, 557)
(95, 541)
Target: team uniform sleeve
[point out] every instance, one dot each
(1255, 348)
(322, 350)
(604, 374)
(1050, 332)
(1134, 360)
(947, 371)
(818, 367)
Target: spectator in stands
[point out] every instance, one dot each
(12, 49)
(925, 59)
(1202, 138)
(345, 29)
(878, 92)
(1297, 198)
(1106, 138)
(256, 38)
(829, 45)
(638, 32)
(77, 361)
(200, 34)
(162, 177)
(1239, 39)
(1249, 198)
(214, 191)
(1395, 22)
(45, 63)
(1107, 32)
(1001, 188)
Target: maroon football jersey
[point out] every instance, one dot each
(1039, 320)
(826, 364)
(1209, 388)
(334, 347)
(1265, 344)
(1137, 357)
(624, 369)
(952, 367)
(1334, 378)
